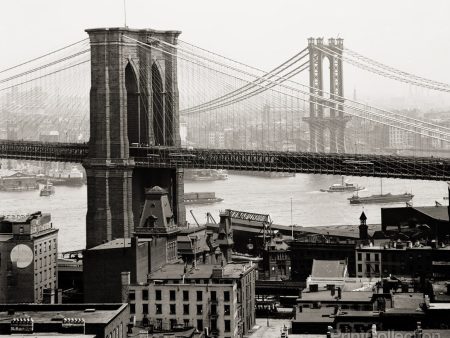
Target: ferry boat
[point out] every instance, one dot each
(267, 174)
(205, 175)
(382, 198)
(342, 187)
(72, 177)
(47, 190)
(201, 198)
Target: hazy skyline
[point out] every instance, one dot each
(411, 35)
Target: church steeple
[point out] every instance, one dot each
(363, 228)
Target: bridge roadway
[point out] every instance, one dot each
(427, 168)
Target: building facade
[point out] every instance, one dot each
(28, 261)
(217, 300)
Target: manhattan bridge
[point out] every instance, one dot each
(136, 107)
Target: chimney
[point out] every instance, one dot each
(418, 333)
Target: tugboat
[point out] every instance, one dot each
(47, 190)
(342, 187)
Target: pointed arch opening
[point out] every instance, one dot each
(134, 118)
(159, 126)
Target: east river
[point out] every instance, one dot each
(248, 193)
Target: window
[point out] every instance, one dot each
(213, 295)
(158, 309)
(159, 323)
(172, 295)
(144, 294)
(145, 308)
(132, 295)
(376, 258)
(367, 256)
(226, 296)
(199, 324)
(199, 296)
(186, 322)
(173, 323)
(377, 268)
(368, 269)
(199, 309)
(173, 310)
(213, 309)
(157, 294)
(185, 309)
(132, 308)
(359, 256)
(186, 295)
(227, 325)
(359, 267)
(226, 310)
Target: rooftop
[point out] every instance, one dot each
(202, 271)
(347, 296)
(328, 268)
(46, 313)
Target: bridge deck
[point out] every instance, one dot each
(427, 168)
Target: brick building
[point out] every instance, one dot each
(28, 259)
(217, 300)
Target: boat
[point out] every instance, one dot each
(267, 174)
(205, 175)
(342, 187)
(381, 198)
(47, 190)
(72, 177)
(201, 198)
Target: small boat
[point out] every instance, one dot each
(342, 187)
(47, 190)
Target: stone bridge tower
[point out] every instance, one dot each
(324, 115)
(133, 100)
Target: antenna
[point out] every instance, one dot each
(125, 12)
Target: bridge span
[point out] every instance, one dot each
(394, 166)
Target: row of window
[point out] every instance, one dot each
(45, 275)
(186, 323)
(42, 247)
(173, 295)
(186, 309)
(376, 257)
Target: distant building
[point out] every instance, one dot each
(327, 273)
(28, 253)
(410, 220)
(16, 181)
(60, 320)
(276, 264)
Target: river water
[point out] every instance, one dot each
(247, 193)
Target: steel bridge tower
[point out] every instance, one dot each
(318, 120)
(133, 100)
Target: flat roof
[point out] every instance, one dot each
(347, 296)
(202, 271)
(45, 313)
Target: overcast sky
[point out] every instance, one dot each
(413, 35)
